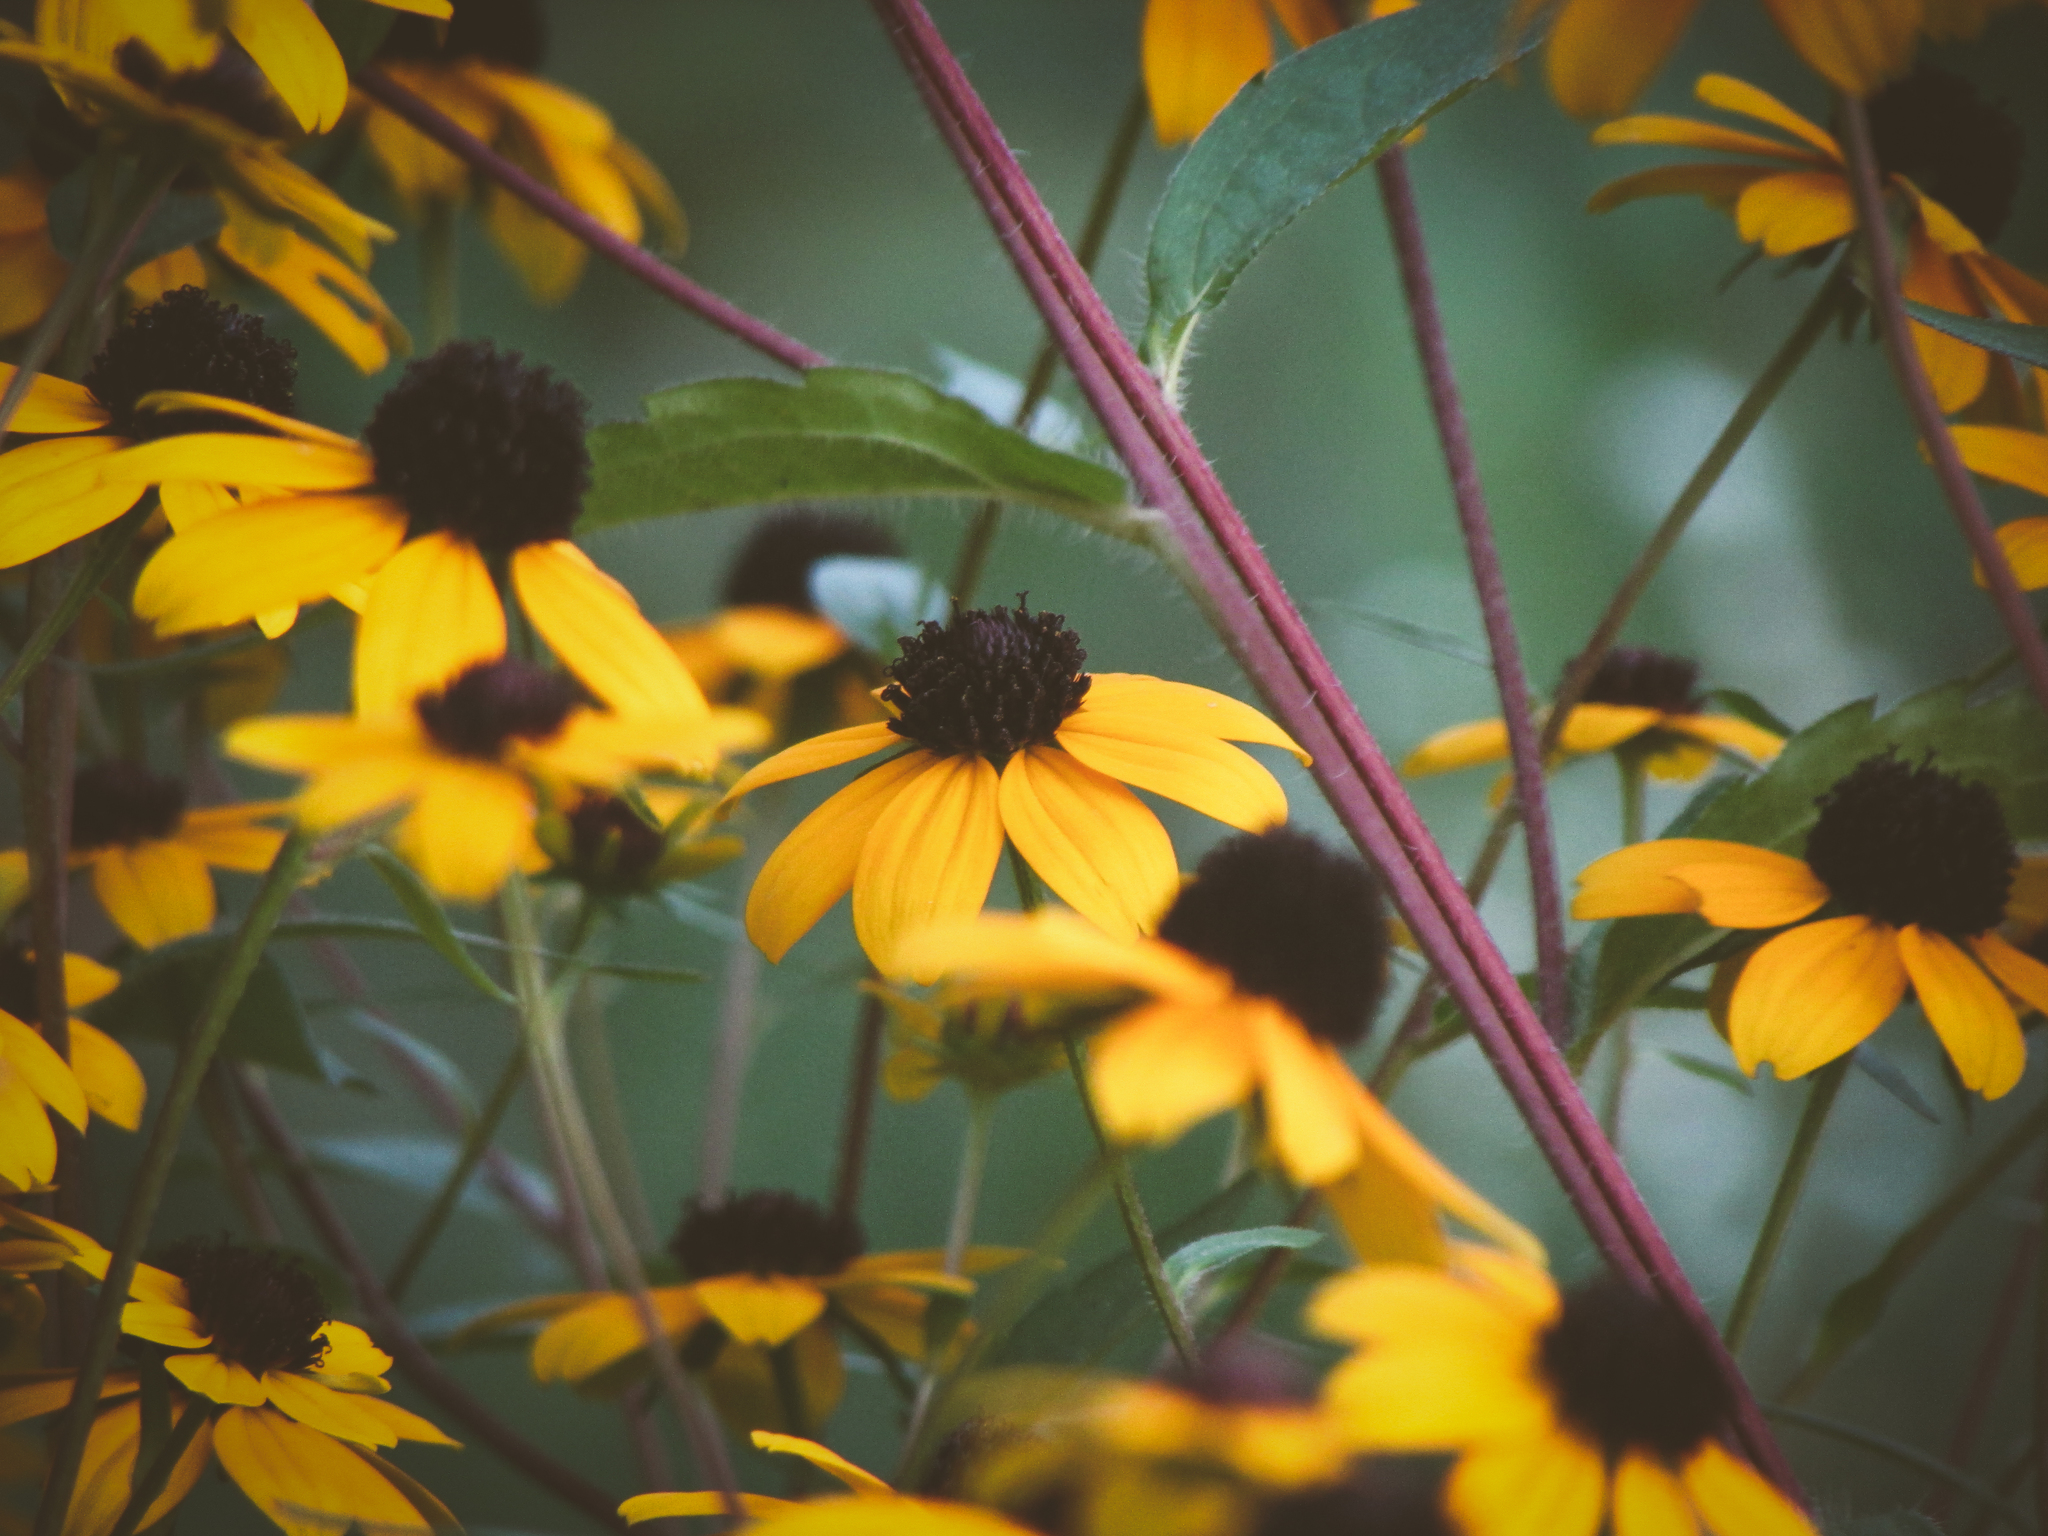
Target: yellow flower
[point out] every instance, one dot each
(1951, 163)
(473, 457)
(1267, 968)
(1008, 737)
(2018, 458)
(291, 1399)
(1639, 700)
(31, 271)
(1920, 867)
(35, 1082)
(483, 74)
(470, 762)
(767, 1272)
(990, 1044)
(1197, 53)
(864, 1484)
(1596, 1410)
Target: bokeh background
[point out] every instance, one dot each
(1598, 358)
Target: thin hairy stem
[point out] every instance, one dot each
(476, 1141)
(1820, 1098)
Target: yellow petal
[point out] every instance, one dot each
(1200, 772)
(1751, 894)
(1732, 95)
(1649, 1500)
(2024, 976)
(1956, 371)
(1796, 211)
(406, 1426)
(2025, 542)
(48, 1075)
(289, 426)
(1679, 761)
(241, 458)
(1459, 746)
(1094, 842)
(296, 56)
(1308, 1094)
(823, 1458)
(1553, 1485)
(1856, 44)
(433, 614)
(1164, 1066)
(28, 1147)
(330, 293)
(50, 494)
(1733, 1500)
(154, 892)
(113, 1083)
(1690, 133)
(1604, 52)
(929, 856)
(308, 1483)
(2006, 453)
(1388, 1144)
(1306, 21)
(344, 1415)
(265, 556)
(1752, 741)
(1720, 185)
(228, 836)
(1815, 993)
(86, 981)
(761, 1309)
(606, 1329)
(1200, 710)
(53, 405)
(351, 1352)
(469, 829)
(106, 1475)
(1196, 55)
(222, 1380)
(170, 1324)
(1642, 879)
(1600, 727)
(814, 866)
(668, 1506)
(776, 642)
(1976, 1024)
(814, 755)
(1054, 951)
(598, 632)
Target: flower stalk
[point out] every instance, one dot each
(1820, 1098)
(863, 1078)
(476, 1141)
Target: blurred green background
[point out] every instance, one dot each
(1598, 358)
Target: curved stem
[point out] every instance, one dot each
(476, 1141)
(1820, 1098)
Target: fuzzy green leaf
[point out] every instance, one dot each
(1205, 1256)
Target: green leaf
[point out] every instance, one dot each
(2028, 343)
(180, 219)
(428, 1060)
(162, 990)
(1884, 1072)
(1422, 636)
(349, 927)
(418, 1165)
(430, 919)
(1206, 1256)
(842, 433)
(1713, 1071)
(1295, 132)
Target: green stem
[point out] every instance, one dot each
(547, 1049)
(440, 256)
(1632, 766)
(1820, 1098)
(195, 1052)
(476, 1142)
(1933, 1467)
(1109, 191)
(981, 1119)
(592, 1048)
(151, 1485)
(1136, 1227)
(789, 1387)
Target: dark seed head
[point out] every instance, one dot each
(1630, 1373)
(1381, 1496)
(187, 341)
(990, 681)
(767, 1232)
(1244, 1370)
(1646, 679)
(18, 984)
(1963, 152)
(119, 803)
(1914, 845)
(474, 441)
(1293, 921)
(509, 32)
(612, 848)
(262, 1307)
(481, 712)
(232, 86)
(774, 565)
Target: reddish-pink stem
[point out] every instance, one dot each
(1404, 223)
(1957, 488)
(1271, 641)
(649, 268)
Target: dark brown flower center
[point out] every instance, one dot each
(1293, 921)
(486, 708)
(121, 803)
(774, 566)
(613, 848)
(186, 340)
(232, 86)
(1646, 679)
(1914, 845)
(1630, 1373)
(989, 682)
(767, 1232)
(262, 1307)
(1379, 1496)
(509, 32)
(1932, 128)
(474, 441)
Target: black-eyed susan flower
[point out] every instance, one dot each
(1267, 967)
(1572, 1414)
(100, 1078)
(763, 1272)
(474, 460)
(151, 855)
(1639, 701)
(482, 69)
(1907, 876)
(989, 1045)
(768, 648)
(292, 1398)
(470, 763)
(1197, 53)
(1008, 737)
(2018, 458)
(1951, 166)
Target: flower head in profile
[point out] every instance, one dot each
(1267, 968)
(1907, 877)
(1008, 738)
(482, 69)
(769, 648)
(291, 1400)
(475, 458)
(1639, 701)
(1951, 165)
(1597, 1409)
(100, 1078)
(763, 1272)
(617, 847)
(1198, 53)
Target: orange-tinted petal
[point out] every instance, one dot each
(1604, 52)
(1733, 95)
(1196, 55)
(1095, 843)
(2024, 976)
(816, 754)
(1164, 1066)
(1956, 370)
(1201, 772)
(815, 864)
(1975, 1022)
(1733, 1500)
(1676, 874)
(433, 613)
(1815, 993)
(1796, 211)
(929, 856)
(1549, 1485)
(1857, 44)
(596, 630)
(155, 892)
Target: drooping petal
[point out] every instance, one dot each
(1734, 1500)
(1649, 1500)
(106, 1475)
(1095, 843)
(1459, 746)
(469, 829)
(1196, 55)
(1976, 1024)
(2024, 976)
(1201, 710)
(328, 291)
(48, 1075)
(1733, 95)
(859, 1479)
(154, 892)
(114, 1086)
(595, 628)
(230, 836)
(54, 405)
(1053, 951)
(222, 1380)
(406, 1426)
(1857, 44)
(815, 754)
(606, 1329)
(1679, 761)
(1752, 741)
(1721, 186)
(345, 1415)
(761, 1309)
(1604, 52)
(296, 56)
(1691, 133)
(1308, 1096)
(1814, 993)
(1956, 371)
(1641, 879)
(86, 981)
(671, 1506)
(1550, 1485)
(1389, 1145)
(1601, 727)
(1796, 211)
(433, 614)
(307, 1482)
(815, 864)
(1165, 1066)
(929, 856)
(28, 1147)
(1200, 772)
